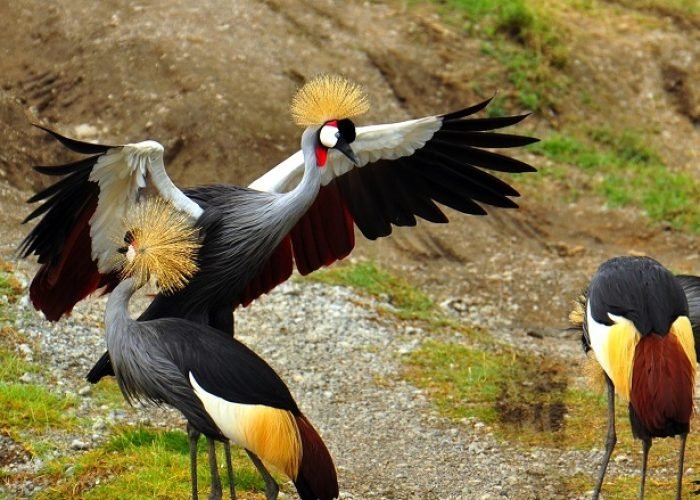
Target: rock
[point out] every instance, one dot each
(77, 444)
(85, 131)
(85, 390)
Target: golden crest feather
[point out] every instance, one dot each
(328, 97)
(162, 243)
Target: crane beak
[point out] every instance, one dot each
(343, 146)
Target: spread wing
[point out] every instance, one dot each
(406, 169)
(81, 218)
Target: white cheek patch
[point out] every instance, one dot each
(598, 334)
(329, 136)
(130, 253)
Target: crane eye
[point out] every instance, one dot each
(329, 135)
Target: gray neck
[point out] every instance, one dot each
(297, 201)
(117, 310)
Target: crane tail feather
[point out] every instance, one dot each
(102, 368)
(317, 478)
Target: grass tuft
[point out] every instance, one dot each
(524, 38)
(10, 290)
(626, 171)
(496, 384)
(142, 463)
(32, 408)
(410, 303)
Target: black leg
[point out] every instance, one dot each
(193, 437)
(215, 479)
(646, 444)
(229, 469)
(611, 438)
(271, 488)
(681, 457)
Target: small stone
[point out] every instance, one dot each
(98, 425)
(77, 444)
(115, 415)
(475, 448)
(85, 130)
(85, 390)
(26, 378)
(24, 349)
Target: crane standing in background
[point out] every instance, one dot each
(223, 389)
(635, 319)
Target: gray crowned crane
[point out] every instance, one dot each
(635, 319)
(224, 390)
(302, 211)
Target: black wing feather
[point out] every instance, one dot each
(479, 157)
(61, 210)
(456, 115)
(222, 365)
(691, 287)
(68, 168)
(483, 124)
(485, 139)
(467, 181)
(446, 170)
(85, 148)
(361, 205)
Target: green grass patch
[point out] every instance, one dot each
(496, 384)
(12, 366)
(9, 285)
(626, 171)
(410, 303)
(523, 37)
(32, 408)
(107, 392)
(10, 289)
(143, 463)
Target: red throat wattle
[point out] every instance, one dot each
(321, 155)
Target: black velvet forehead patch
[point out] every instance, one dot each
(347, 130)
